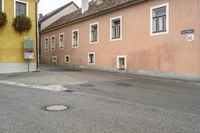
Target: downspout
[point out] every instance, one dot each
(37, 35)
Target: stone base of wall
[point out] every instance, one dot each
(161, 74)
(16, 67)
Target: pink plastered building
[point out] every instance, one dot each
(145, 37)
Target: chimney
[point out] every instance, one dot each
(40, 15)
(99, 2)
(85, 5)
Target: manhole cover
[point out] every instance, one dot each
(56, 107)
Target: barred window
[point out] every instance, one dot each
(91, 58)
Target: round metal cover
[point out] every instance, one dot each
(56, 107)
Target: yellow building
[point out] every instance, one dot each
(12, 42)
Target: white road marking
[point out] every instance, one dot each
(48, 87)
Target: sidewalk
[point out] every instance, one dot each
(44, 79)
(58, 75)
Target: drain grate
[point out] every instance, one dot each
(56, 107)
(69, 91)
(123, 84)
(87, 85)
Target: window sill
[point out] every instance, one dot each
(159, 33)
(154, 32)
(93, 42)
(91, 63)
(61, 48)
(116, 39)
(75, 46)
(121, 69)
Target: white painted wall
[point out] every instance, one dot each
(60, 14)
(16, 67)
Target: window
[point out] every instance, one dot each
(91, 58)
(46, 44)
(2, 5)
(94, 33)
(61, 41)
(116, 28)
(75, 38)
(54, 60)
(53, 43)
(21, 8)
(121, 62)
(67, 58)
(159, 19)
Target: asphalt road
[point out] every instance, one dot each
(107, 103)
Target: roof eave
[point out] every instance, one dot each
(67, 5)
(130, 3)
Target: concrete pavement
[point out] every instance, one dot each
(101, 103)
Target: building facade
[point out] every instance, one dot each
(48, 19)
(146, 37)
(56, 14)
(12, 42)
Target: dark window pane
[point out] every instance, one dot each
(94, 33)
(116, 28)
(159, 19)
(20, 8)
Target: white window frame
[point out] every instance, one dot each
(69, 59)
(2, 5)
(89, 58)
(121, 28)
(76, 30)
(63, 41)
(46, 50)
(167, 19)
(122, 56)
(27, 8)
(90, 35)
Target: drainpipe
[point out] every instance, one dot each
(37, 33)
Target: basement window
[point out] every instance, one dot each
(46, 44)
(116, 28)
(121, 62)
(94, 32)
(54, 60)
(61, 41)
(75, 38)
(53, 43)
(67, 58)
(91, 58)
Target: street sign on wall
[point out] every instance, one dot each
(28, 48)
(188, 31)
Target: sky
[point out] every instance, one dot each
(46, 6)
